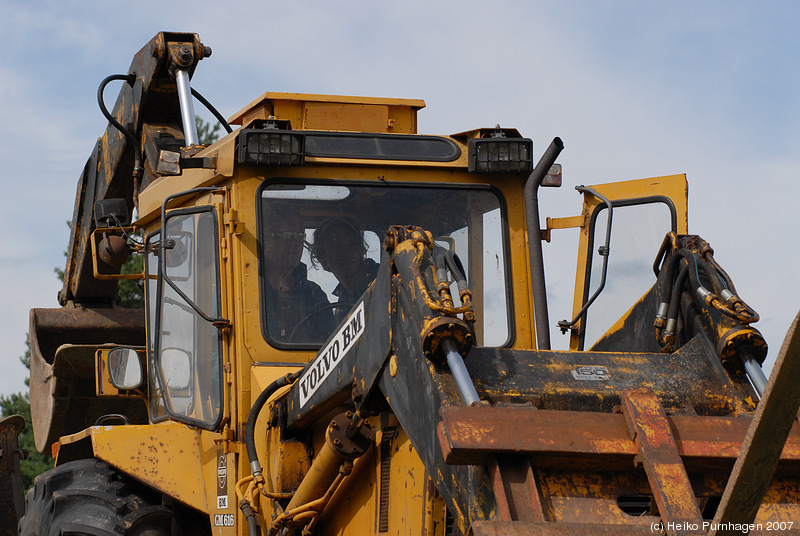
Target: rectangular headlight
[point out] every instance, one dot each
(271, 147)
(500, 155)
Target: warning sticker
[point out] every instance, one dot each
(330, 356)
(222, 482)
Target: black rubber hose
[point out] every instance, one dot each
(713, 276)
(250, 516)
(666, 278)
(728, 281)
(694, 277)
(677, 291)
(213, 110)
(137, 150)
(249, 434)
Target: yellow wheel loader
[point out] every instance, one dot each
(347, 333)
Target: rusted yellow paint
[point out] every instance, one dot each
(170, 457)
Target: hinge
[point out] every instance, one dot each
(228, 442)
(232, 222)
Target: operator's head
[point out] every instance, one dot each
(284, 235)
(339, 246)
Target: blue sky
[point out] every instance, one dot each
(635, 89)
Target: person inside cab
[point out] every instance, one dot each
(340, 248)
(298, 310)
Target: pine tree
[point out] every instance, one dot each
(206, 134)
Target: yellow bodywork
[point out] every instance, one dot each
(186, 464)
(387, 490)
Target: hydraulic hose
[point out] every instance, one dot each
(666, 278)
(249, 434)
(713, 277)
(137, 150)
(250, 516)
(213, 110)
(675, 299)
(721, 297)
(671, 327)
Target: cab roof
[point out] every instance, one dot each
(334, 112)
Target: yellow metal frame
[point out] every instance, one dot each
(103, 384)
(186, 464)
(93, 241)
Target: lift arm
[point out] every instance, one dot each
(122, 163)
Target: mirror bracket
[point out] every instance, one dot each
(111, 242)
(120, 372)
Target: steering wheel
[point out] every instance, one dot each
(303, 321)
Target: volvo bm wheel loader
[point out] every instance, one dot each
(346, 332)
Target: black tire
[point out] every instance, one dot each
(90, 497)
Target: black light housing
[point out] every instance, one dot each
(500, 155)
(271, 147)
(374, 146)
(110, 212)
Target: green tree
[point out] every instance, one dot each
(206, 134)
(131, 291)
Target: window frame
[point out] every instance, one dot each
(592, 226)
(502, 205)
(154, 314)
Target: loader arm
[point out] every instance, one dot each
(390, 349)
(389, 352)
(121, 165)
(146, 119)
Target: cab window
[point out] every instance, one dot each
(320, 246)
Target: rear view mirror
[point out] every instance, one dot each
(124, 368)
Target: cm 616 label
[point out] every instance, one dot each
(223, 520)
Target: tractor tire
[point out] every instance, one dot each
(90, 497)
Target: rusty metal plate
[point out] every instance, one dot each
(12, 501)
(470, 435)
(658, 452)
(687, 381)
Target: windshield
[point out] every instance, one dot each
(321, 244)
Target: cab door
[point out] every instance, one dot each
(622, 226)
(185, 324)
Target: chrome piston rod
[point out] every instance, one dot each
(187, 108)
(459, 370)
(754, 373)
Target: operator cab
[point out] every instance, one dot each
(336, 246)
